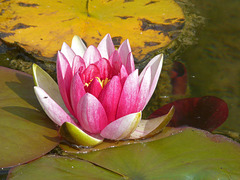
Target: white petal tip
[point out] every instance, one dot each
(78, 46)
(122, 128)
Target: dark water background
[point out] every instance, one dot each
(213, 63)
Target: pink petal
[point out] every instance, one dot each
(123, 74)
(91, 114)
(64, 77)
(115, 62)
(51, 108)
(91, 55)
(76, 91)
(105, 69)
(130, 67)
(78, 65)
(124, 50)
(122, 127)
(78, 46)
(144, 90)
(109, 97)
(95, 87)
(156, 66)
(68, 53)
(106, 47)
(128, 98)
(90, 73)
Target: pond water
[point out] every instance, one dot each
(213, 63)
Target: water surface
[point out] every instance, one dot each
(214, 62)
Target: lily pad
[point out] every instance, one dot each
(26, 132)
(190, 154)
(56, 167)
(187, 155)
(149, 25)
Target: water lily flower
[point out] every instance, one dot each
(99, 93)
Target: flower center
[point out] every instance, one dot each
(101, 82)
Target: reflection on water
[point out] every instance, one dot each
(214, 63)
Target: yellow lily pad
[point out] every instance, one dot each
(76, 136)
(40, 27)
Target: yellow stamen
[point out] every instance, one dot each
(105, 81)
(87, 84)
(99, 80)
(102, 82)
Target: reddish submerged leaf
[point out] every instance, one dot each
(206, 112)
(179, 78)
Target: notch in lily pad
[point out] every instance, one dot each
(74, 135)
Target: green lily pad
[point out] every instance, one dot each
(190, 154)
(56, 167)
(187, 155)
(26, 132)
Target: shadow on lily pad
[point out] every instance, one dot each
(23, 88)
(26, 132)
(31, 115)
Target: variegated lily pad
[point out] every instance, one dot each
(40, 27)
